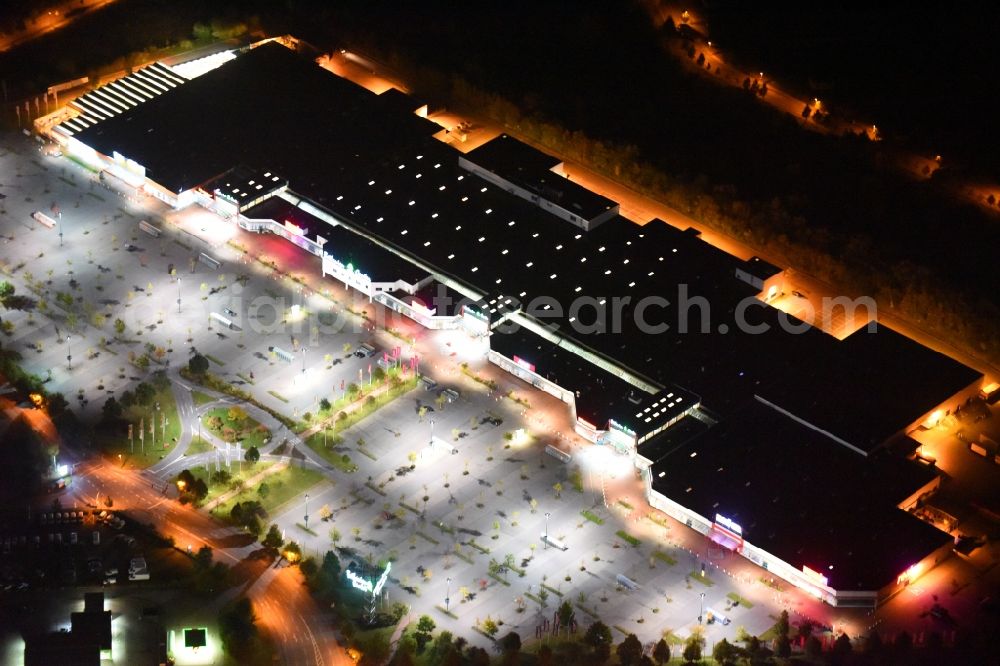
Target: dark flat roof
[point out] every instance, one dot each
(599, 394)
(268, 106)
(400, 101)
(676, 435)
(802, 497)
(531, 169)
(760, 268)
(870, 386)
(342, 244)
(95, 625)
(62, 648)
(243, 184)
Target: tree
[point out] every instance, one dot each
(692, 648)
(237, 628)
(813, 647)
(661, 652)
(112, 410)
(724, 651)
(325, 405)
(203, 558)
(273, 539)
(783, 647)
(598, 634)
(425, 628)
(842, 649)
(127, 399)
(236, 414)
(293, 551)
(477, 656)
(558, 488)
(198, 364)
(782, 626)
(119, 327)
(443, 646)
(252, 455)
(309, 568)
(566, 614)
(378, 375)
(263, 490)
(629, 651)
(805, 629)
(335, 536)
(199, 489)
(144, 393)
(511, 643)
(57, 404)
(544, 655)
(490, 627)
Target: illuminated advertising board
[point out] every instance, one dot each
(622, 428)
(361, 583)
(530, 367)
(730, 525)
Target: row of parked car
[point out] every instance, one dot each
(61, 517)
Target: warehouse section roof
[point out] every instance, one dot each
(802, 497)
(121, 95)
(268, 106)
(531, 169)
(870, 386)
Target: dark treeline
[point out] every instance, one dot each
(595, 84)
(924, 77)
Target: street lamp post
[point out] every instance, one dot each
(447, 596)
(178, 294)
(303, 354)
(307, 510)
(547, 530)
(701, 610)
(432, 431)
(69, 353)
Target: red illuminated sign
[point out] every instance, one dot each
(524, 364)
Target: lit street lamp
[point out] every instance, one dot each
(432, 431)
(547, 530)
(69, 353)
(303, 354)
(447, 595)
(178, 294)
(307, 510)
(701, 611)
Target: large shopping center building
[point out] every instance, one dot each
(786, 446)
